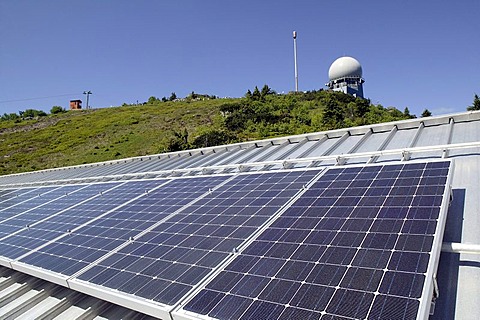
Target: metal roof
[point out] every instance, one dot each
(455, 137)
(26, 297)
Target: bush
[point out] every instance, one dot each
(32, 113)
(57, 109)
(10, 116)
(212, 138)
(178, 141)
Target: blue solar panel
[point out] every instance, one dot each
(356, 245)
(47, 223)
(7, 194)
(98, 237)
(25, 213)
(168, 261)
(24, 199)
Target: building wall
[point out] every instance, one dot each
(75, 104)
(352, 87)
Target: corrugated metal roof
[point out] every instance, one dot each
(26, 297)
(455, 137)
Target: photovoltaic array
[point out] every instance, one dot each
(356, 245)
(347, 242)
(41, 219)
(143, 204)
(166, 262)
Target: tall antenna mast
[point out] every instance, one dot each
(295, 59)
(87, 93)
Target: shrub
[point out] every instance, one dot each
(57, 109)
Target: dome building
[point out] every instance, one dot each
(345, 75)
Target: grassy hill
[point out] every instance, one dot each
(86, 136)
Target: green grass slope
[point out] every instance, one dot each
(79, 137)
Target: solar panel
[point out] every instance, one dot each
(17, 216)
(97, 237)
(346, 243)
(43, 224)
(166, 262)
(21, 196)
(361, 242)
(7, 194)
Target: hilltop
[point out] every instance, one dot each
(160, 125)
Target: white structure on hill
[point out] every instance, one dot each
(345, 75)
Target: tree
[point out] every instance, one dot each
(178, 142)
(152, 100)
(193, 95)
(256, 94)
(57, 109)
(230, 107)
(266, 90)
(351, 106)
(476, 104)
(173, 96)
(426, 113)
(32, 113)
(10, 116)
(407, 114)
(212, 137)
(332, 114)
(363, 105)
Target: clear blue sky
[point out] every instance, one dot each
(415, 54)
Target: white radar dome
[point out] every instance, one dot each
(345, 67)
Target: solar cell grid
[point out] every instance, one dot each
(24, 214)
(107, 196)
(7, 194)
(353, 246)
(24, 199)
(34, 227)
(166, 262)
(14, 193)
(75, 251)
